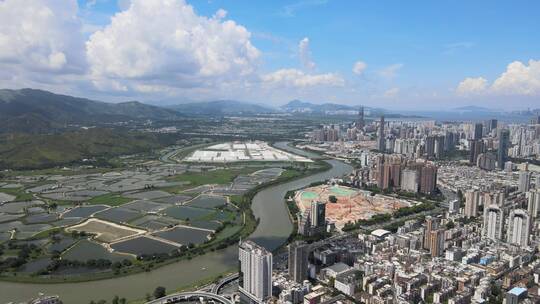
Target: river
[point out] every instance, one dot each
(273, 230)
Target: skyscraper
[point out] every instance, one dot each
(493, 222)
(428, 179)
(318, 214)
(491, 125)
(476, 147)
(381, 144)
(255, 281)
(478, 130)
(430, 146)
(298, 261)
(533, 203)
(436, 245)
(502, 149)
(524, 181)
(409, 180)
(360, 123)
(472, 199)
(519, 226)
(431, 225)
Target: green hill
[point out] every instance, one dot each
(25, 151)
(37, 111)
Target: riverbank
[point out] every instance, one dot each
(173, 276)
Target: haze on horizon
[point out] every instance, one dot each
(423, 55)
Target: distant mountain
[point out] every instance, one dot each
(30, 110)
(303, 106)
(298, 106)
(473, 109)
(221, 107)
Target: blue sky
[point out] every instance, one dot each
(415, 54)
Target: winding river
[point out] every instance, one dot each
(273, 230)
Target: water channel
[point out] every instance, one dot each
(272, 231)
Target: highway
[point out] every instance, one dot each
(183, 296)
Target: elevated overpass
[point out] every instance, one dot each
(185, 296)
(224, 282)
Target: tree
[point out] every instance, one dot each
(115, 300)
(159, 292)
(333, 199)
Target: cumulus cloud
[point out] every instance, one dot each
(472, 86)
(40, 35)
(519, 79)
(299, 79)
(359, 67)
(178, 48)
(305, 54)
(45, 44)
(390, 71)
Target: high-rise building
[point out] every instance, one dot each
(318, 214)
(381, 143)
(487, 161)
(478, 130)
(439, 146)
(472, 200)
(360, 123)
(436, 243)
(524, 181)
(502, 149)
(255, 281)
(476, 148)
(431, 225)
(298, 261)
(519, 226)
(409, 180)
(491, 125)
(430, 146)
(453, 206)
(533, 203)
(493, 222)
(428, 179)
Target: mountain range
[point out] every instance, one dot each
(30, 110)
(39, 111)
(222, 107)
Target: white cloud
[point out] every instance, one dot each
(391, 93)
(519, 79)
(390, 71)
(359, 67)
(472, 86)
(178, 48)
(299, 79)
(40, 35)
(305, 54)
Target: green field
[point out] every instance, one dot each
(221, 176)
(111, 199)
(19, 193)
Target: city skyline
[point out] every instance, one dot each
(419, 56)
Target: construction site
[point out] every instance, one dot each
(346, 204)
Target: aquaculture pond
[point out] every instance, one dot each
(185, 235)
(143, 245)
